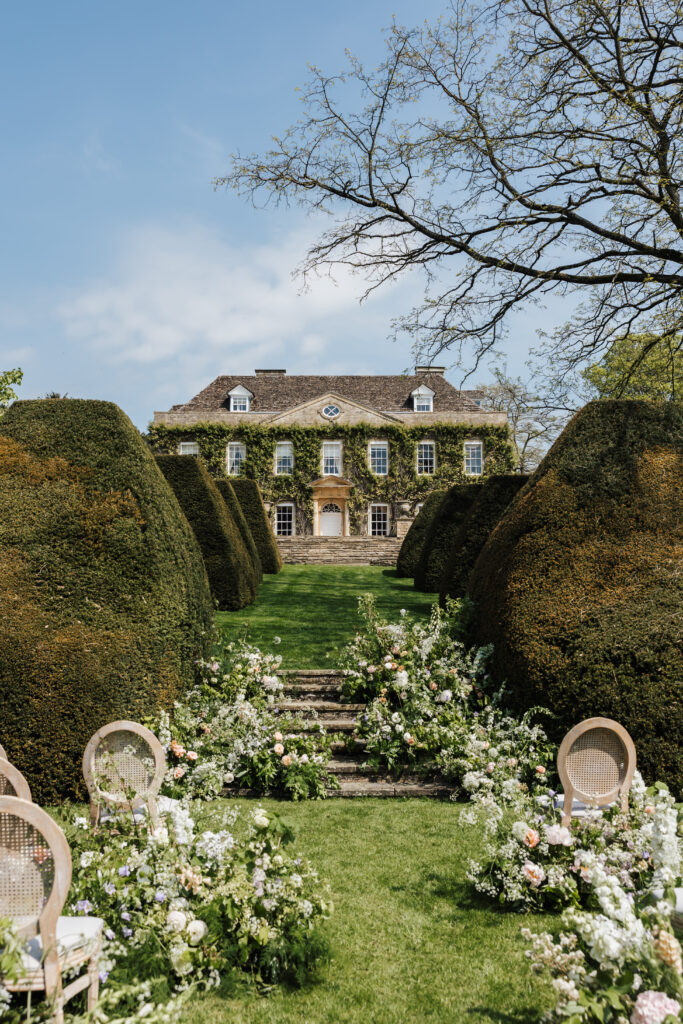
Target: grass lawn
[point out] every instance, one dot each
(409, 941)
(314, 610)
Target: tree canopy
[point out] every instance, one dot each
(643, 366)
(533, 425)
(514, 150)
(9, 379)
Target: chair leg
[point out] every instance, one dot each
(567, 805)
(153, 812)
(94, 814)
(94, 987)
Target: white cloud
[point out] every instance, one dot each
(183, 305)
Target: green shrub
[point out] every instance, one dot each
(580, 586)
(231, 572)
(411, 548)
(235, 510)
(451, 512)
(496, 494)
(104, 601)
(249, 497)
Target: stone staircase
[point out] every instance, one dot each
(339, 550)
(315, 695)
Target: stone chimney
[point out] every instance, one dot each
(440, 370)
(269, 371)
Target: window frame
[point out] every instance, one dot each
(284, 472)
(340, 446)
(425, 396)
(286, 505)
(387, 519)
(183, 444)
(228, 459)
(385, 446)
(423, 472)
(243, 396)
(473, 444)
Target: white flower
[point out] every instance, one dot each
(228, 778)
(304, 759)
(260, 818)
(445, 696)
(558, 835)
(533, 873)
(196, 930)
(176, 921)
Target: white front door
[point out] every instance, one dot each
(330, 521)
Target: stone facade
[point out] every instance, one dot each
(344, 455)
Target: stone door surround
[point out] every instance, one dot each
(331, 490)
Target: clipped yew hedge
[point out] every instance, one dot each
(104, 601)
(445, 523)
(411, 548)
(235, 509)
(580, 586)
(231, 572)
(494, 497)
(249, 496)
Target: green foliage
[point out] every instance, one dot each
(104, 601)
(580, 587)
(9, 379)
(402, 482)
(496, 494)
(639, 366)
(450, 514)
(231, 572)
(235, 509)
(249, 496)
(411, 548)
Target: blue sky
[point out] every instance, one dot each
(123, 275)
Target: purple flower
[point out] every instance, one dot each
(109, 934)
(160, 896)
(109, 888)
(127, 932)
(125, 916)
(103, 976)
(124, 871)
(84, 906)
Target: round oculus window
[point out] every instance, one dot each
(330, 412)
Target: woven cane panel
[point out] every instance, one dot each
(124, 764)
(596, 762)
(6, 787)
(27, 870)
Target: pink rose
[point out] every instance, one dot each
(654, 1008)
(178, 772)
(533, 873)
(540, 770)
(278, 749)
(191, 755)
(491, 767)
(432, 686)
(286, 760)
(278, 737)
(531, 838)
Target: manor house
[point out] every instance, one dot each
(340, 456)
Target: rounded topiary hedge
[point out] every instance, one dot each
(231, 572)
(451, 512)
(235, 509)
(496, 494)
(104, 601)
(411, 548)
(249, 496)
(580, 586)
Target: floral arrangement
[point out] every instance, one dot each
(226, 732)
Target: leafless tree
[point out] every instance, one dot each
(533, 425)
(515, 150)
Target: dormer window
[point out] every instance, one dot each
(240, 399)
(423, 399)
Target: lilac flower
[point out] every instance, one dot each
(124, 871)
(109, 934)
(103, 976)
(125, 916)
(84, 906)
(127, 932)
(109, 888)
(160, 896)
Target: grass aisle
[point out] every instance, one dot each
(314, 610)
(408, 942)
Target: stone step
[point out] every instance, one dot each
(340, 550)
(367, 788)
(318, 707)
(330, 724)
(314, 689)
(340, 748)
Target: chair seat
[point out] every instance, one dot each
(76, 938)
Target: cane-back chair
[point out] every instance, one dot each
(3, 753)
(124, 765)
(596, 762)
(12, 782)
(35, 875)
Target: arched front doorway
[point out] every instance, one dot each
(331, 521)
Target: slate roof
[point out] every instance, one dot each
(278, 392)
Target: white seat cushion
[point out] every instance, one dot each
(72, 933)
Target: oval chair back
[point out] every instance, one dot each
(596, 762)
(123, 766)
(12, 782)
(3, 753)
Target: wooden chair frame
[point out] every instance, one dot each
(3, 752)
(48, 977)
(100, 797)
(572, 791)
(16, 780)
